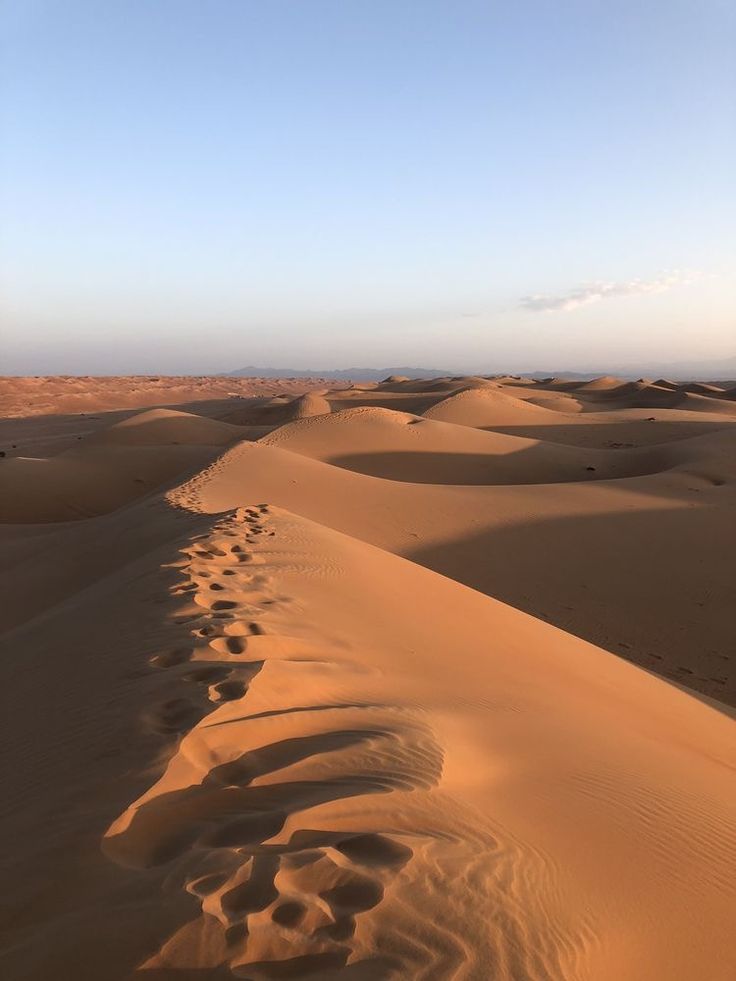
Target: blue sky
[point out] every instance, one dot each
(193, 186)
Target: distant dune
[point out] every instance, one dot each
(82, 394)
(410, 679)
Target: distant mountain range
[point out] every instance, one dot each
(722, 369)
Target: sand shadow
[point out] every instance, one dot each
(535, 465)
(613, 435)
(649, 586)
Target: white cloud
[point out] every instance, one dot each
(594, 292)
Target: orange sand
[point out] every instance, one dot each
(325, 684)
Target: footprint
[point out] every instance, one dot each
(257, 892)
(285, 898)
(209, 630)
(289, 913)
(374, 850)
(207, 675)
(229, 645)
(207, 884)
(356, 894)
(228, 691)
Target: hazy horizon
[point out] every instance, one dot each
(191, 188)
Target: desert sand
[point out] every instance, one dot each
(420, 679)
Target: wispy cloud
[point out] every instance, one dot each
(594, 292)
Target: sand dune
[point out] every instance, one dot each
(111, 467)
(700, 388)
(329, 775)
(166, 427)
(81, 483)
(399, 446)
(644, 393)
(651, 396)
(520, 543)
(605, 383)
(486, 408)
(603, 419)
(280, 410)
(289, 697)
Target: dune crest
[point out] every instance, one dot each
(318, 810)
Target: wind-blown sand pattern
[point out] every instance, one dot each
(253, 732)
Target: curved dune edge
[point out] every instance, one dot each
(602, 560)
(409, 797)
(396, 445)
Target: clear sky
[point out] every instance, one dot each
(195, 185)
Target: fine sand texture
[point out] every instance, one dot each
(419, 680)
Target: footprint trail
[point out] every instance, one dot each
(302, 808)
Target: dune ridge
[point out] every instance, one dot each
(325, 815)
(358, 729)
